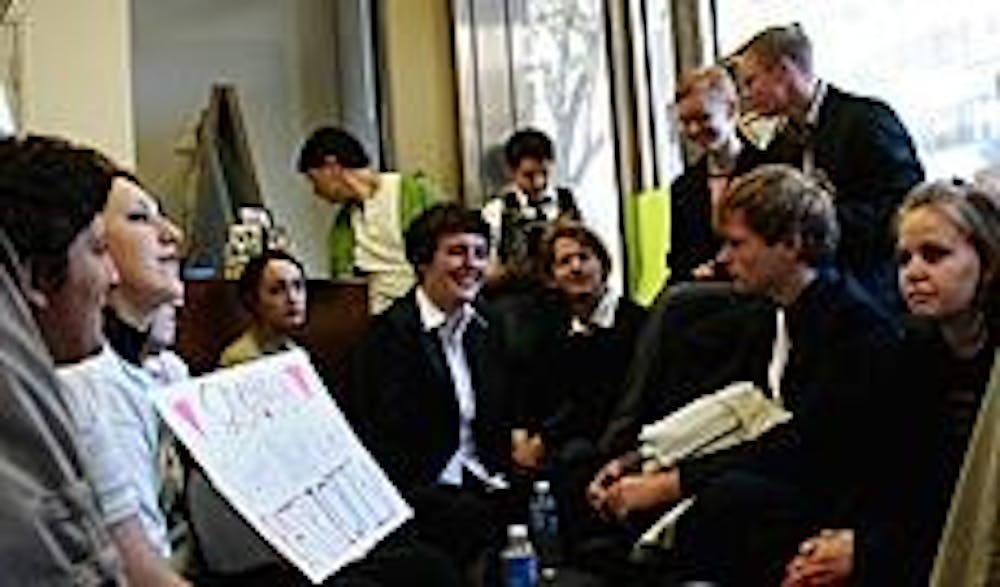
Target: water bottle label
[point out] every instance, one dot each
(522, 571)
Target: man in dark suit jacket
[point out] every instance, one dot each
(707, 109)
(432, 404)
(858, 143)
(835, 458)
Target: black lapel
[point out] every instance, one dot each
(409, 324)
(828, 121)
(433, 351)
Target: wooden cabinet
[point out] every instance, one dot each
(213, 316)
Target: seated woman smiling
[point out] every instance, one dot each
(948, 244)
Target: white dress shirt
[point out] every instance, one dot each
(492, 213)
(603, 315)
(451, 330)
(780, 349)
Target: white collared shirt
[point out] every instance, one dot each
(603, 315)
(493, 213)
(120, 432)
(781, 348)
(451, 330)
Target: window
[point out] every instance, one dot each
(596, 76)
(561, 86)
(937, 65)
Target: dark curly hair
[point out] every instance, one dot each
(331, 141)
(528, 143)
(50, 191)
(426, 231)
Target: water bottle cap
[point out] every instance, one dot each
(517, 531)
(542, 486)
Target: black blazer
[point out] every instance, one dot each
(699, 337)
(692, 239)
(842, 385)
(407, 412)
(869, 157)
(578, 378)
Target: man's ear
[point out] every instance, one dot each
(36, 294)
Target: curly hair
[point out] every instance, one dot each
(332, 141)
(50, 191)
(426, 231)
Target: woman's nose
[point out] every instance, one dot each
(914, 270)
(170, 232)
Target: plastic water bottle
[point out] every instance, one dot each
(520, 565)
(544, 517)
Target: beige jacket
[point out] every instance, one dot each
(969, 552)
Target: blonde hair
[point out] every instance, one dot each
(713, 82)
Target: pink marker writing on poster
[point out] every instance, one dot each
(297, 375)
(184, 409)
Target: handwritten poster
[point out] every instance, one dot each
(275, 445)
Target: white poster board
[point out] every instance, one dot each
(275, 445)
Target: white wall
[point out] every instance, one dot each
(281, 57)
(76, 63)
